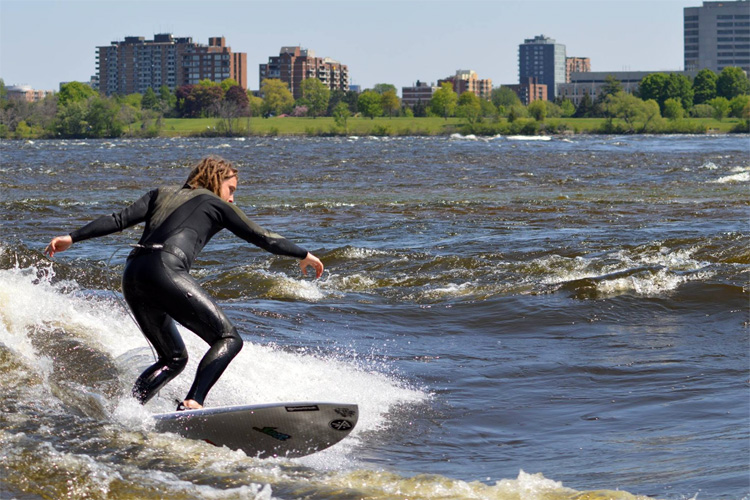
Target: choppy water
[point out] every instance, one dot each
(516, 319)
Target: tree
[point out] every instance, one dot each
(254, 104)
(389, 101)
(74, 92)
(382, 88)
(150, 100)
(567, 108)
(228, 84)
(315, 96)
(704, 86)
(732, 82)
(652, 87)
(167, 99)
(678, 87)
(585, 106)
(721, 107)
(469, 107)
(611, 86)
(673, 109)
(370, 104)
(444, 100)
(277, 99)
(740, 107)
(238, 97)
(102, 118)
(631, 110)
(504, 98)
(341, 115)
(538, 110)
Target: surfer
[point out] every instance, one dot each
(157, 284)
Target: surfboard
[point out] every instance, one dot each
(269, 430)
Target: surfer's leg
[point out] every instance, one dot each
(161, 332)
(195, 309)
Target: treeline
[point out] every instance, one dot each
(662, 103)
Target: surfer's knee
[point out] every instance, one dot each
(177, 363)
(232, 342)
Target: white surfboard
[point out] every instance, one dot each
(270, 430)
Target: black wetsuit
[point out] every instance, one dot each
(159, 289)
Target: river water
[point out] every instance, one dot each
(516, 318)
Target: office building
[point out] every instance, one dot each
(717, 35)
(420, 92)
(136, 64)
(468, 81)
(543, 59)
(591, 82)
(293, 65)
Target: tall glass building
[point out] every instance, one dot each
(717, 35)
(543, 59)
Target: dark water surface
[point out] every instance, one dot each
(516, 318)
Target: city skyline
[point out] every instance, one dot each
(380, 41)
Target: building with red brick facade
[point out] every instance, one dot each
(529, 90)
(576, 65)
(293, 65)
(136, 64)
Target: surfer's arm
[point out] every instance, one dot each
(237, 222)
(108, 224)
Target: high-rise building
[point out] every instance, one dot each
(295, 64)
(717, 35)
(137, 64)
(468, 81)
(543, 59)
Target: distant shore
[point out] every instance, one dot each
(434, 126)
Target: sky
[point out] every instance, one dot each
(46, 42)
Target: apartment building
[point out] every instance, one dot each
(576, 65)
(26, 93)
(468, 81)
(136, 64)
(420, 92)
(543, 59)
(293, 65)
(529, 90)
(717, 35)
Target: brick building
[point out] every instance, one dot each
(421, 92)
(293, 65)
(26, 93)
(137, 64)
(576, 65)
(529, 90)
(468, 81)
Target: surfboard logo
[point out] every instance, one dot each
(271, 431)
(341, 425)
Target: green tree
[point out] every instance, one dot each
(567, 108)
(721, 107)
(585, 106)
(611, 86)
(167, 100)
(277, 99)
(469, 107)
(150, 100)
(504, 98)
(102, 118)
(341, 115)
(389, 101)
(740, 106)
(678, 87)
(538, 110)
(228, 84)
(732, 82)
(370, 104)
(444, 100)
(254, 104)
(488, 109)
(704, 86)
(631, 110)
(673, 109)
(315, 96)
(382, 88)
(74, 92)
(652, 87)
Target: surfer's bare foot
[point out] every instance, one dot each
(189, 404)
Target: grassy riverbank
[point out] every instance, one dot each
(180, 127)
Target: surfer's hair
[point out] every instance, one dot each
(210, 172)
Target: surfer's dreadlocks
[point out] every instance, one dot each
(210, 172)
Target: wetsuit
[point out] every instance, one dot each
(159, 289)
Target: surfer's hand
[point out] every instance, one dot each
(58, 244)
(311, 260)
